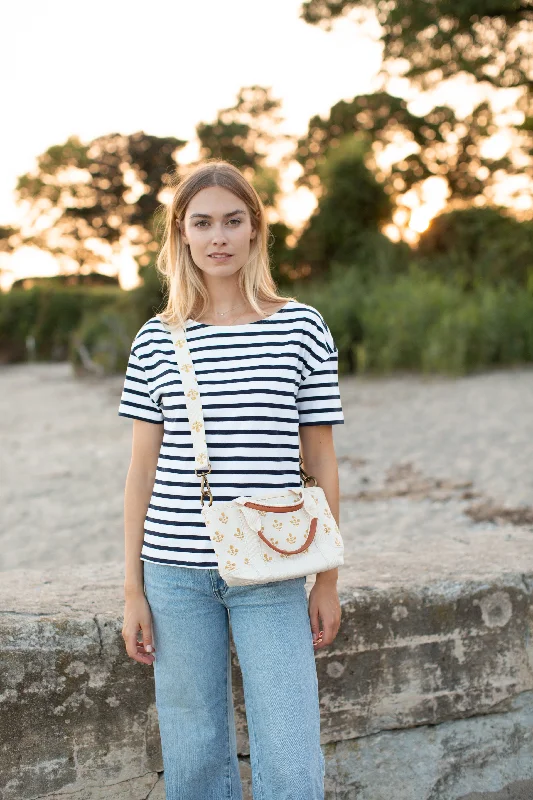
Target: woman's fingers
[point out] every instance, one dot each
(146, 629)
(137, 630)
(136, 649)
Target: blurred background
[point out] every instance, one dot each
(392, 145)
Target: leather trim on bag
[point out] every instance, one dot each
(281, 509)
(310, 537)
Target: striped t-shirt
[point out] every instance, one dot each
(258, 382)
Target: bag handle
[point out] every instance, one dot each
(191, 389)
(279, 509)
(310, 537)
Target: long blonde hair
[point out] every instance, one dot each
(183, 280)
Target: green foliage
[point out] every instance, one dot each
(9, 238)
(408, 321)
(102, 190)
(428, 42)
(101, 343)
(478, 246)
(339, 299)
(49, 316)
(75, 279)
(490, 39)
(351, 209)
(442, 145)
(243, 135)
(279, 253)
(396, 318)
(493, 327)
(421, 323)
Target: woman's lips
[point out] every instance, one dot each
(220, 258)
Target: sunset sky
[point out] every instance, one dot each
(93, 69)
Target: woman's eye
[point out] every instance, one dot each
(201, 223)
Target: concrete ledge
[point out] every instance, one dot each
(426, 688)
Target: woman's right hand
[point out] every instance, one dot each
(138, 617)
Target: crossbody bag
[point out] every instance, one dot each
(277, 535)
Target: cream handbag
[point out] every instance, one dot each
(275, 536)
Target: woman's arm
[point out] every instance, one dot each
(146, 443)
(320, 460)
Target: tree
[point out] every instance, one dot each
(489, 39)
(96, 193)
(440, 145)
(345, 225)
(243, 135)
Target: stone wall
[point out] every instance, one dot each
(426, 693)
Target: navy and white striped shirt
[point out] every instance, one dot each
(259, 381)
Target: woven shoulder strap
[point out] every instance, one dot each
(193, 402)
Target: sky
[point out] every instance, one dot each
(95, 68)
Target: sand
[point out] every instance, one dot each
(429, 469)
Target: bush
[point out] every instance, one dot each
(101, 344)
(423, 323)
(49, 315)
(477, 247)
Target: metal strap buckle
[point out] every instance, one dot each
(305, 477)
(205, 489)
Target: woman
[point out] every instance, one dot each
(267, 370)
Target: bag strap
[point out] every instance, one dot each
(191, 390)
(193, 402)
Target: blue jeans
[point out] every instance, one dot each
(191, 610)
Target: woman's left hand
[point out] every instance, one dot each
(324, 604)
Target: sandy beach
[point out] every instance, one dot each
(417, 457)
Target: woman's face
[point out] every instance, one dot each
(217, 221)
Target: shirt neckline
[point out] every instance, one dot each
(240, 324)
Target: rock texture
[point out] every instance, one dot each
(431, 686)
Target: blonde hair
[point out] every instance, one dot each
(183, 280)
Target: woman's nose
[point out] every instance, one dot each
(218, 236)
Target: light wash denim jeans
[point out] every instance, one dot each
(191, 612)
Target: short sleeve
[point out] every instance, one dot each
(318, 399)
(136, 401)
